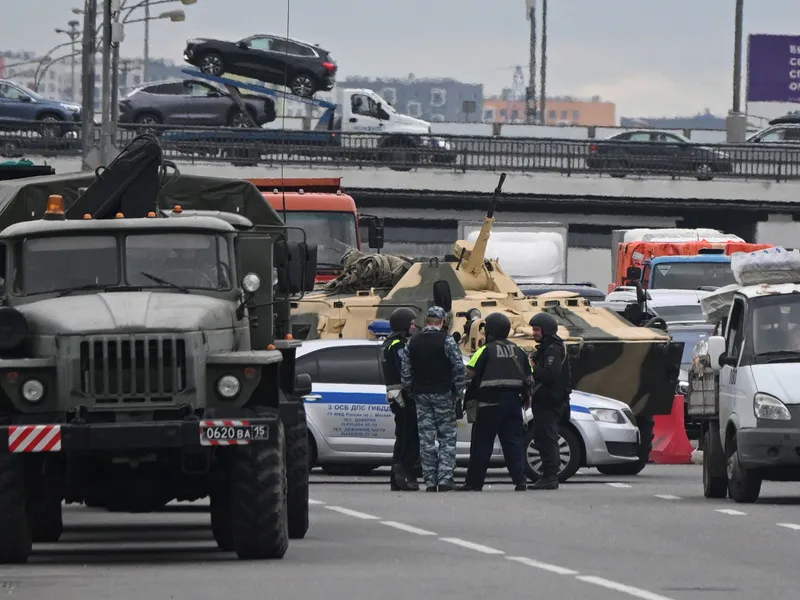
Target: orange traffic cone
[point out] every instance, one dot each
(671, 445)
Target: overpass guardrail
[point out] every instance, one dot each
(251, 146)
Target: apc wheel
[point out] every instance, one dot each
(212, 64)
(569, 450)
(44, 514)
(646, 426)
(259, 499)
(221, 517)
(297, 458)
(744, 486)
(713, 486)
(15, 537)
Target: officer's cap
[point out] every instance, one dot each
(436, 312)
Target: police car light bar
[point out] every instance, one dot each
(772, 266)
(380, 328)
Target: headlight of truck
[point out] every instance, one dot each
(33, 391)
(251, 282)
(769, 407)
(228, 386)
(608, 415)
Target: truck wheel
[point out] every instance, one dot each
(44, 513)
(714, 486)
(297, 475)
(15, 537)
(221, 517)
(259, 499)
(744, 485)
(646, 426)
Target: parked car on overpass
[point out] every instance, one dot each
(192, 102)
(351, 424)
(656, 152)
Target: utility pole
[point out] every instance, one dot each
(530, 92)
(105, 120)
(146, 41)
(87, 81)
(73, 34)
(736, 123)
(114, 109)
(543, 82)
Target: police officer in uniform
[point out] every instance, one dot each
(500, 373)
(434, 372)
(406, 444)
(552, 387)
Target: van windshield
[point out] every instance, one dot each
(776, 325)
(691, 275)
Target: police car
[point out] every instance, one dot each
(351, 426)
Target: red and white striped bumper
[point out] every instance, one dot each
(34, 438)
(19, 439)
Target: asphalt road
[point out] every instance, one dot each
(652, 537)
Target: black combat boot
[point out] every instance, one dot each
(400, 482)
(469, 488)
(545, 484)
(432, 488)
(412, 482)
(447, 486)
(521, 487)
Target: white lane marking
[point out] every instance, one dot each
(543, 566)
(310, 501)
(408, 528)
(729, 511)
(619, 485)
(472, 546)
(621, 587)
(668, 497)
(352, 513)
(794, 526)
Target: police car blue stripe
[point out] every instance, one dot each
(579, 409)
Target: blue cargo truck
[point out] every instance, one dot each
(708, 270)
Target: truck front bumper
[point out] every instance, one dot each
(768, 447)
(21, 439)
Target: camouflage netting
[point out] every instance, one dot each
(364, 271)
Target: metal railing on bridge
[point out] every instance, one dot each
(774, 162)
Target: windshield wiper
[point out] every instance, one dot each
(80, 288)
(99, 288)
(160, 281)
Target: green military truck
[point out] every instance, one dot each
(146, 357)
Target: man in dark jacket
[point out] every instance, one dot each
(552, 387)
(406, 443)
(500, 374)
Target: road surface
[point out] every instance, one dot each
(652, 537)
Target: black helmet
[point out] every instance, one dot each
(401, 319)
(497, 326)
(546, 321)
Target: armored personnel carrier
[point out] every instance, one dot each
(609, 355)
(145, 354)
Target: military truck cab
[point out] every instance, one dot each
(742, 383)
(133, 372)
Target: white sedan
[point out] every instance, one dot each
(351, 426)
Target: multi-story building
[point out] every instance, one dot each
(445, 100)
(561, 110)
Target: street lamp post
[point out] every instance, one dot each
(87, 81)
(74, 35)
(736, 123)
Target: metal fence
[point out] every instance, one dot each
(246, 146)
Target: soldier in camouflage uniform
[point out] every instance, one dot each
(434, 373)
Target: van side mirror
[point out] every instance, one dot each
(716, 352)
(297, 267)
(302, 384)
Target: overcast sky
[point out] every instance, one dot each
(650, 58)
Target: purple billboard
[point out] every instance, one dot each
(773, 68)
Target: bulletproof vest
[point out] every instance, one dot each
(501, 369)
(390, 361)
(433, 372)
(559, 391)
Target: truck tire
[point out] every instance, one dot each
(44, 513)
(259, 499)
(646, 426)
(297, 475)
(15, 537)
(744, 485)
(714, 485)
(221, 517)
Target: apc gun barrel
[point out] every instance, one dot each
(496, 196)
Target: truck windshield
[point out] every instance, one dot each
(188, 260)
(682, 313)
(691, 275)
(54, 264)
(333, 232)
(776, 325)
